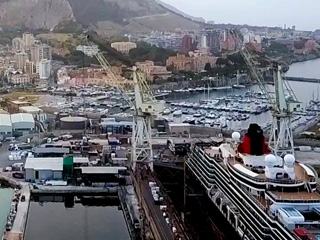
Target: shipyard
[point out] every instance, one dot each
(140, 121)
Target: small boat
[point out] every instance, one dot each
(185, 111)
(177, 113)
(197, 115)
(190, 121)
(166, 112)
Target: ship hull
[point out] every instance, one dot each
(227, 193)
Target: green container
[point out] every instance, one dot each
(68, 167)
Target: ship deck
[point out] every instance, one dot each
(300, 172)
(304, 195)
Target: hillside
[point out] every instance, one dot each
(103, 15)
(173, 9)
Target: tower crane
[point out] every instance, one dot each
(144, 106)
(282, 100)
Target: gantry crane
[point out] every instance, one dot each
(282, 100)
(144, 106)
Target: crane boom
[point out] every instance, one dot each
(144, 106)
(283, 102)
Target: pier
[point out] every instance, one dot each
(61, 190)
(300, 79)
(19, 224)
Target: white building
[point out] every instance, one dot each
(19, 79)
(44, 69)
(22, 123)
(123, 47)
(5, 126)
(88, 50)
(38, 169)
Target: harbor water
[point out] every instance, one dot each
(307, 69)
(6, 195)
(305, 91)
(52, 218)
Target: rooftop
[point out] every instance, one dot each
(80, 160)
(17, 102)
(22, 117)
(51, 150)
(30, 109)
(54, 164)
(5, 120)
(102, 170)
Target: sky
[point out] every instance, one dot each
(304, 14)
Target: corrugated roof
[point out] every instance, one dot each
(30, 109)
(54, 164)
(80, 160)
(5, 120)
(22, 117)
(101, 170)
(51, 150)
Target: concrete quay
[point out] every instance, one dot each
(19, 224)
(58, 190)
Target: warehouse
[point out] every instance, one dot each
(101, 174)
(22, 124)
(38, 169)
(114, 127)
(36, 112)
(5, 126)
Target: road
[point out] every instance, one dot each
(156, 213)
(4, 156)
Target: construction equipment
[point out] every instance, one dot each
(282, 100)
(144, 106)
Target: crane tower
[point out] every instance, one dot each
(282, 100)
(144, 106)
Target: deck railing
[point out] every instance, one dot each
(277, 199)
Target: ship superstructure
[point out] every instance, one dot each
(262, 196)
(262, 190)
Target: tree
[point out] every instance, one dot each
(208, 67)
(145, 51)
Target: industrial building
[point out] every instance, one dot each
(14, 106)
(22, 124)
(5, 126)
(101, 174)
(51, 168)
(38, 169)
(113, 127)
(36, 112)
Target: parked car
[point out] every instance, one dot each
(18, 175)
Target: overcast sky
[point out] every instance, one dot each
(305, 14)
